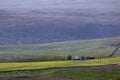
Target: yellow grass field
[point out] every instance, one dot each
(52, 64)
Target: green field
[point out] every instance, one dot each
(53, 71)
(43, 65)
(14, 59)
(62, 74)
(58, 51)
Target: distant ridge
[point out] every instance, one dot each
(29, 28)
(46, 21)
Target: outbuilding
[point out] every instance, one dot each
(90, 57)
(76, 58)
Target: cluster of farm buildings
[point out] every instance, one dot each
(83, 57)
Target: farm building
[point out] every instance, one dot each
(77, 58)
(83, 58)
(90, 57)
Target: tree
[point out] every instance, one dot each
(69, 57)
(83, 58)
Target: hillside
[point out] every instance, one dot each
(58, 51)
(59, 39)
(56, 21)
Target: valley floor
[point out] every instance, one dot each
(104, 72)
(98, 69)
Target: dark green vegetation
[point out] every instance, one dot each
(62, 74)
(58, 51)
(77, 74)
(69, 57)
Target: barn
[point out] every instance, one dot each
(77, 58)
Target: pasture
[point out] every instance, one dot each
(62, 70)
(53, 64)
(99, 48)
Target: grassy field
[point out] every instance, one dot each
(62, 74)
(58, 51)
(43, 65)
(79, 74)
(47, 70)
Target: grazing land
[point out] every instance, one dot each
(63, 74)
(52, 64)
(99, 48)
(47, 61)
(62, 70)
(59, 40)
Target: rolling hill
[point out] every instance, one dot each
(62, 27)
(58, 51)
(57, 21)
(36, 36)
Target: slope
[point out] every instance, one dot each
(44, 21)
(57, 51)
